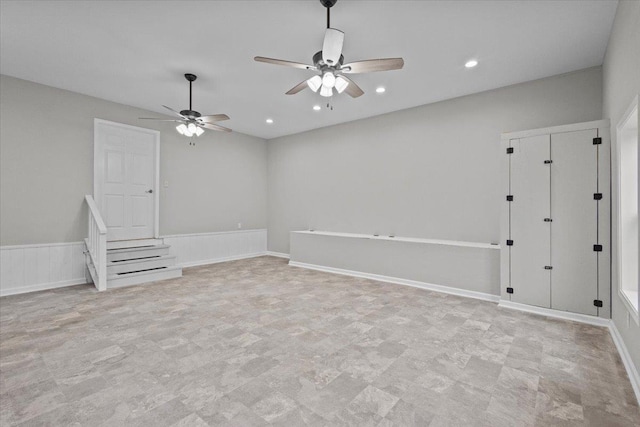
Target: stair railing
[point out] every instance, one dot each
(96, 243)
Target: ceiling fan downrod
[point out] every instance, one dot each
(191, 78)
(328, 4)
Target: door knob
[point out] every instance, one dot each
(149, 191)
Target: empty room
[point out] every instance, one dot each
(319, 213)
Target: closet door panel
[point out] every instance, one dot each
(574, 278)
(604, 224)
(530, 183)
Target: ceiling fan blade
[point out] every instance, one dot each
(353, 90)
(214, 118)
(283, 62)
(371, 65)
(174, 111)
(159, 120)
(215, 127)
(332, 46)
(297, 88)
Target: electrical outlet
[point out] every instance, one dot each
(239, 225)
(166, 184)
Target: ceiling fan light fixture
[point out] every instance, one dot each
(192, 127)
(199, 131)
(314, 83)
(329, 80)
(329, 64)
(341, 84)
(326, 91)
(181, 128)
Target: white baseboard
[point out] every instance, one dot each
(399, 281)
(278, 254)
(219, 260)
(632, 371)
(557, 314)
(41, 287)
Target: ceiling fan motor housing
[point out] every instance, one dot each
(190, 114)
(319, 62)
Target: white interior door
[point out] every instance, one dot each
(574, 175)
(531, 234)
(125, 174)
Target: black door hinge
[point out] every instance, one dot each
(597, 303)
(597, 141)
(547, 162)
(597, 248)
(509, 150)
(548, 267)
(509, 198)
(597, 196)
(509, 242)
(509, 290)
(548, 220)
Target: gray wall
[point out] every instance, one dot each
(430, 171)
(46, 168)
(621, 83)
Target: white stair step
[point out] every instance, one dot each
(137, 253)
(128, 279)
(115, 267)
(123, 244)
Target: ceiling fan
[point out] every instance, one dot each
(329, 63)
(192, 122)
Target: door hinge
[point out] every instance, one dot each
(597, 302)
(509, 290)
(548, 162)
(597, 141)
(597, 196)
(597, 248)
(509, 150)
(509, 198)
(548, 220)
(548, 267)
(509, 242)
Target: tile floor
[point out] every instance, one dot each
(256, 342)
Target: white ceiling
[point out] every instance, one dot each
(135, 52)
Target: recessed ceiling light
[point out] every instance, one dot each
(269, 121)
(380, 89)
(317, 108)
(471, 63)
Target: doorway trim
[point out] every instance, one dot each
(96, 160)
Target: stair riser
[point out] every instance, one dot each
(134, 243)
(143, 264)
(137, 254)
(151, 276)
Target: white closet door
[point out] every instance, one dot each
(574, 174)
(530, 182)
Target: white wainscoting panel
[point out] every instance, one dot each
(208, 248)
(29, 268)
